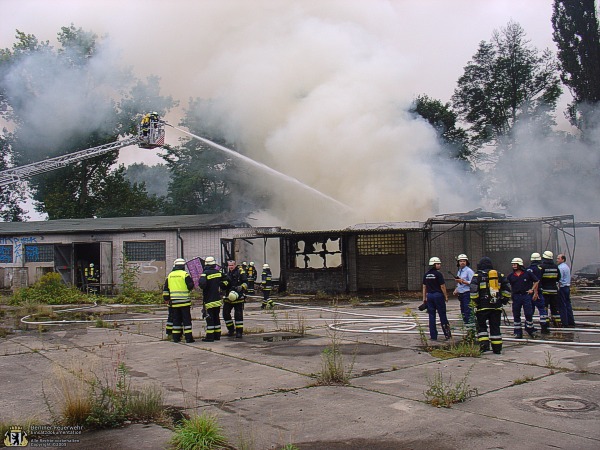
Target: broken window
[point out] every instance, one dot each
(318, 252)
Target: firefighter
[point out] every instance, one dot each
(145, 124)
(462, 291)
(92, 278)
(211, 281)
(176, 292)
(435, 298)
(539, 302)
(266, 281)
(524, 287)
(251, 277)
(489, 291)
(235, 296)
(549, 282)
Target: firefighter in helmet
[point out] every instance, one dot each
(251, 272)
(211, 281)
(489, 291)
(435, 298)
(549, 284)
(267, 284)
(235, 296)
(539, 302)
(523, 286)
(92, 278)
(463, 278)
(176, 292)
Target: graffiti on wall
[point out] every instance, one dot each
(18, 248)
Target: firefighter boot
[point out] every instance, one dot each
(189, 340)
(447, 332)
(239, 333)
(217, 335)
(230, 330)
(484, 346)
(545, 328)
(497, 349)
(208, 338)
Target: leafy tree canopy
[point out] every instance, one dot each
(577, 36)
(67, 99)
(506, 81)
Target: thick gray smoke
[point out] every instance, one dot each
(318, 90)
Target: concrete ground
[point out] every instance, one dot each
(264, 387)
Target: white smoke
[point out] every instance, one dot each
(318, 90)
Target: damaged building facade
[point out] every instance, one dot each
(365, 258)
(393, 257)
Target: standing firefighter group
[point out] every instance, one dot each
(227, 288)
(482, 293)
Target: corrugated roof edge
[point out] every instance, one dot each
(69, 226)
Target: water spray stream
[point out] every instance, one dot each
(264, 167)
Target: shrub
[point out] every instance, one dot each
(50, 290)
(201, 432)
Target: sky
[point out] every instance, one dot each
(316, 90)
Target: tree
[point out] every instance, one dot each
(73, 98)
(507, 81)
(577, 35)
(199, 173)
(205, 180)
(10, 196)
(443, 119)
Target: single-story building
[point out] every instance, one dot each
(30, 249)
(364, 258)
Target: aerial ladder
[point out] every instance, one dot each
(151, 134)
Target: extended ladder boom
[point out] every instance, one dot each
(16, 174)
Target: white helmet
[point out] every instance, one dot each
(535, 257)
(251, 263)
(462, 256)
(434, 260)
(518, 261)
(548, 255)
(179, 262)
(233, 296)
(244, 263)
(266, 266)
(210, 261)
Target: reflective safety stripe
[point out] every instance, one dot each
(215, 304)
(213, 275)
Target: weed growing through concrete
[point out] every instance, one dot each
(199, 432)
(550, 364)
(445, 394)
(289, 447)
(523, 380)
(87, 399)
(420, 329)
(463, 348)
(333, 368)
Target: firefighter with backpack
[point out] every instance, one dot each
(489, 291)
